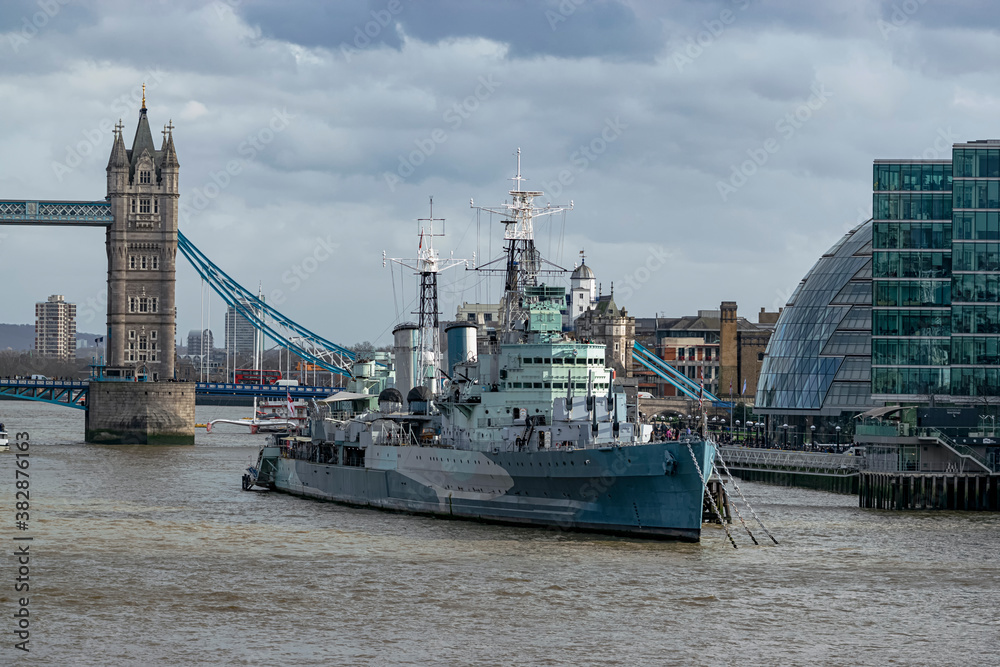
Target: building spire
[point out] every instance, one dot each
(143, 96)
(168, 154)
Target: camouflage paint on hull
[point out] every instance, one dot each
(650, 490)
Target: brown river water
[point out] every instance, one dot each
(154, 556)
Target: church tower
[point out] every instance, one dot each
(142, 253)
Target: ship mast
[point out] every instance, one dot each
(427, 265)
(523, 261)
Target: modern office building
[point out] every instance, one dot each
(816, 370)
(936, 319)
(905, 309)
(55, 328)
(240, 332)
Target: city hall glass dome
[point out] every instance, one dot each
(818, 362)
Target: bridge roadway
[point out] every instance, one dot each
(73, 393)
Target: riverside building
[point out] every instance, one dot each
(936, 273)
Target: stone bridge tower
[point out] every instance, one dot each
(142, 253)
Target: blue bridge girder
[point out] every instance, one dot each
(68, 393)
(62, 213)
(681, 382)
(310, 347)
(73, 393)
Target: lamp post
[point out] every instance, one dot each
(812, 436)
(838, 438)
(785, 427)
(737, 429)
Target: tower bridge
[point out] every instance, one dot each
(140, 216)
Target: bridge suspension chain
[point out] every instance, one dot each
(312, 348)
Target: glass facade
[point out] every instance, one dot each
(936, 276)
(912, 276)
(818, 361)
(975, 310)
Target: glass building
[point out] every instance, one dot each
(936, 322)
(817, 365)
(911, 323)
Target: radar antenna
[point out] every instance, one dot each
(524, 264)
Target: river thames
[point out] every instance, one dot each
(155, 556)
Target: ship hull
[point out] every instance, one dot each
(649, 491)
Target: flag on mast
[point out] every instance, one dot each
(744, 390)
(291, 406)
(701, 390)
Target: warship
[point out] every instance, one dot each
(524, 426)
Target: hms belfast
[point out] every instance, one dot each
(531, 429)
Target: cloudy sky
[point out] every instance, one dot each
(732, 137)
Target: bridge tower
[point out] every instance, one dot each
(142, 253)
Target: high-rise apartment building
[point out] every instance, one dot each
(55, 328)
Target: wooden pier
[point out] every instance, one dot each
(916, 491)
(717, 490)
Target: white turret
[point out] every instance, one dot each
(582, 291)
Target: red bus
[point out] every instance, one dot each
(251, 376)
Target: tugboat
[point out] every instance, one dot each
(529, 428)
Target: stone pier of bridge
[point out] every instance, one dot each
(140, 413)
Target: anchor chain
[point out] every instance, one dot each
(725, 467)
(711, 500)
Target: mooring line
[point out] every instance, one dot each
(718, 455)
(711, 500)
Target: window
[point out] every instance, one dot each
(144, 177)
(156, 206)
(143, 262)
(152, 335)
(153, 304)
(488, 317)
(131, 334)
(144, 206)
(131, 309)
(131, 205)
(131, 262)
(143, 304)
(155, 262)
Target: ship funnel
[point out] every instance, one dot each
(462, 346)
(405, 344)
